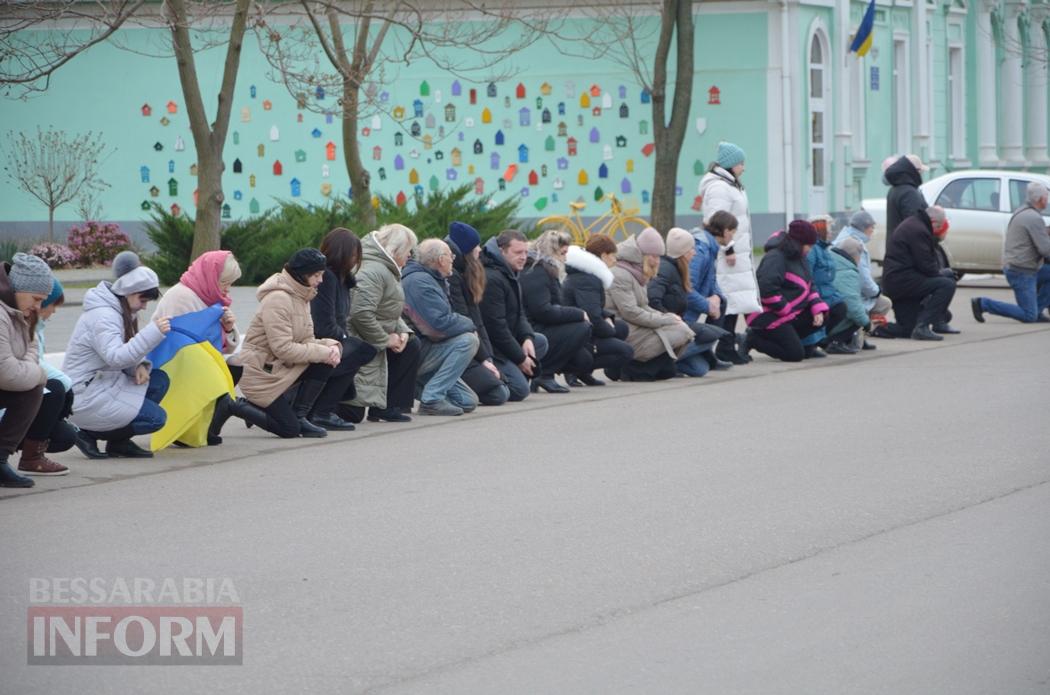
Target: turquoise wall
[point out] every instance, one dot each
(104, 90)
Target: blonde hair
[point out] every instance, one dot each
(397, 239)
(231, 271)
(547, 247)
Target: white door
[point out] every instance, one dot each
(819, 154)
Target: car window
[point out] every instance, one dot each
(971, 194)
(1018, 193)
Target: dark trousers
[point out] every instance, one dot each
(727, 343)
(610, 353)
(785, 341)
(55, 407)
(490, 388)
(401, 370)
(835, 316)
(21, 409)
(564, 352)
(927, 303)
(339, 380)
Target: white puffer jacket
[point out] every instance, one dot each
(720, 192)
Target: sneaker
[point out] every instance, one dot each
(867, 346)
(924, 333)
(34, 460)
(813, 351)
(441, 407)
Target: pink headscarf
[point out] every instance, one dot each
(203, 278)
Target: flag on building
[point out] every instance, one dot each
(862, 40)
(190, 356)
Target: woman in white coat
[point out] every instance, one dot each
(721, 190)
(116, 394)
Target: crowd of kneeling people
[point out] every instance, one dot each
(360, 329)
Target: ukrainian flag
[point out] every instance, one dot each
(190, 356)
(862, 40)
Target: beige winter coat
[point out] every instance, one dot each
(651, 332)
(20, 369)
(280, 342)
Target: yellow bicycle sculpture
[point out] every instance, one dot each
(618, 222)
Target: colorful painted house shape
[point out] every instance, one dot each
(226, 211)
(457, 157)
(253, 206)
(315, 133)
(267, 104)
(173, 187)
(621, 141)
(562, 163)
(491, 90)
(171, 166)
(647, 96)
(607, 152)
(457, 88)
(300, 155)
(494, 160)
(524, 116)
(585, 100)
(173, 107)
(237, 195)
(534, 178)
(251, 181)
(325, 171)
(603, 172)
(563, 129)
(479, 186)
(581, 178)
(238, 167)
(275, 134)
(519, 91)
(625, 111)
(451, 174)
(548, 144)
(561, 108)
(424, 89)
(473, 96)
(261, 150)
(193, 169)
(428, 141)
(329, 151)
(413, 176)
(147, 110)
(415, 130)
(545, 89)
(377, 153)
(154, 191)
(246, 115)
(607, 101)
(399, 112)
(572, 146)
(399, 163)
(278, 168)
(596, 111)
(430, 121)
(478, 147)
(499, 137)
(486, 115)
(523, 153)
(450, 113)
(399, 139)
(144, 173)
(377, 122)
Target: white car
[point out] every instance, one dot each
(979, 204)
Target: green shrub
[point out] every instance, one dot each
(8, 249)
(262, 244)
(173, 237)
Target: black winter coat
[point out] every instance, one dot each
(463, 303)
(502, 307)
(666, 292)
(904, 198)
(331, 307)
(543, 297)
(911, 257)
(786, 288)
(583, 290)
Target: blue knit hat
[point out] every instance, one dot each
(729, 155)
(56, 292)
(464, 236)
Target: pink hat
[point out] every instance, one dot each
(650, 243)
(679, 242)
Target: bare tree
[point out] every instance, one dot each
(55, 168)
(366, 43)
(624, 33)
(27, 63)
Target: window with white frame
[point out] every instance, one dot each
(901, 96)
(817, 91)
(956, 103)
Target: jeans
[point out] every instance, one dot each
(441, 366)
(1031, 290)
(151, 416)
(517, 382)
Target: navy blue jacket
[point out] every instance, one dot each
(428, 308)
(823, 268)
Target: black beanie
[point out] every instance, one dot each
(305, 262)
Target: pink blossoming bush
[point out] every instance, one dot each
(97, 243)
(56, 255)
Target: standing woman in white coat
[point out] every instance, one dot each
(721, 190)
(116, 394)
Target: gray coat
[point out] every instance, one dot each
(375, 312)
(102, 366)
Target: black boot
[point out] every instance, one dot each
(250, 413)
(922, 332)
(8, 477)
(331, 422)
(590, 380)
(548, 384)
(125, 448)
(88, 445)
(222, 414)
(712, 360)
(304, 400)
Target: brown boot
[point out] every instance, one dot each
(34, 460)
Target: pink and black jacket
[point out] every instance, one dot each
(786, 287)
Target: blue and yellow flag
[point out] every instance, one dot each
(862, 41)
(191, 357)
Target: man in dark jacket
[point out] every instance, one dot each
(912, 277)
(904, 199)
(448, 340)
(481, 375)
(517, 348)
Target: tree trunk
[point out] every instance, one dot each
(207, 228)
(359, 176)
(50, 224)
(677, 23)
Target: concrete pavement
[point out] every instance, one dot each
(863, 524)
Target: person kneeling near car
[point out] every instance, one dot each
(447, 339)
(912, 277)
(286, 369)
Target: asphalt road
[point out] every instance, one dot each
(873, 524)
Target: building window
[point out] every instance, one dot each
(957, 103)
(817, 100)
(901, 96)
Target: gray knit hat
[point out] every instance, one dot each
(140, 279)
(124, 262)
(30, 274)
(861, 220)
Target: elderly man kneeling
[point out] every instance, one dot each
(448, 338)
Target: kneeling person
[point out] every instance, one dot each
(448, 341)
